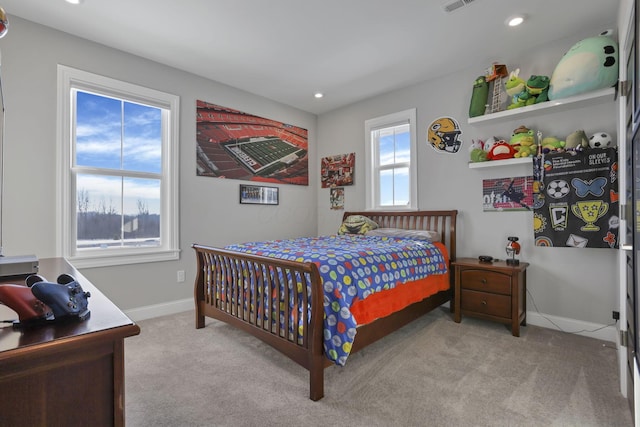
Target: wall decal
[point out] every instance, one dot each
(236, 145)
(443, 135)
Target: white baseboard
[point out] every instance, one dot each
(157, 310)
(587, 329)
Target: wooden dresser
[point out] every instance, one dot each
(493, 291)
(70, 374)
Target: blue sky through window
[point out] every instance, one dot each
(118, 135)
(394, 147)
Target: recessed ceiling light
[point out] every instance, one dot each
(74, 1)
(515, 20)
(318, 94)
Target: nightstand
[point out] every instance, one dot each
(491, 290)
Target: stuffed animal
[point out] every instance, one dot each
(479, 96)
(589, 65)
(489, 143)
(535, 91)
(538, 88)
(476, 151)
(551, 144)
(501, 150)
(523, 141)
(600, 140)
(577, 141)
(514, 85)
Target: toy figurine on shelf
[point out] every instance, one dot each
(495, 76)
(513, 249)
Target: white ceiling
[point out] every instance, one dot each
(286, 50)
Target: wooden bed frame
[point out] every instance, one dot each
(219, 284)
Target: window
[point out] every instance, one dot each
(118, 162)
(391, 166)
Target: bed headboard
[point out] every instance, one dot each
(443, 222)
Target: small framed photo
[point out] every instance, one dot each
(259, 195)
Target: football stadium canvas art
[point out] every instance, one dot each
(235, 145)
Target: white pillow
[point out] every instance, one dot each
(432, 236)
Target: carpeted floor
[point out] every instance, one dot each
(433, 372)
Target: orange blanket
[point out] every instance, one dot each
(382, 304)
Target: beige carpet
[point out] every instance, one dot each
(433, 372)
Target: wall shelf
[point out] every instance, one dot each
(555, 106)
(506, 162)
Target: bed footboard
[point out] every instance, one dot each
(277, 301)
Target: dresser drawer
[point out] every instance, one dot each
(486, 303)
(486, 281)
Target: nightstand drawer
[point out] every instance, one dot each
(486, 281)
(486, 303)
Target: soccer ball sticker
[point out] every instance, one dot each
(558, 189)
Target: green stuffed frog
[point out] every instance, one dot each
(523, 141)
(552, 144)
(538, 87)
(535, 91)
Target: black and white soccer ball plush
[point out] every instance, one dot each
(600, 140)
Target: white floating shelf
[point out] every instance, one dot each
(554, 106)
(506, 162)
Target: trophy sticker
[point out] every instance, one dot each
(590, 211)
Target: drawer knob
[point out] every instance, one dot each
(484, 281)
(484, 303)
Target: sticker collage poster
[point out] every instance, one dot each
(338, 170)
(577, 202)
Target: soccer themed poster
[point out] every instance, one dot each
(576, 203)
(507, 194)
(235, 145)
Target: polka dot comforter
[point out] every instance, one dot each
(353, 267)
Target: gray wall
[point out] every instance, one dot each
(209, 208)
(579, 284)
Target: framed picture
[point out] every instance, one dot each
(259, 195)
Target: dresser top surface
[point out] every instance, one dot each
(105, 318)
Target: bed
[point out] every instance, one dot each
(274, 298)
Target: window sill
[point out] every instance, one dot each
(109, 260)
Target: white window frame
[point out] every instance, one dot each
(66, 234)
(372, 167)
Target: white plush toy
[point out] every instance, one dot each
(490, 143)
(600, 140)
